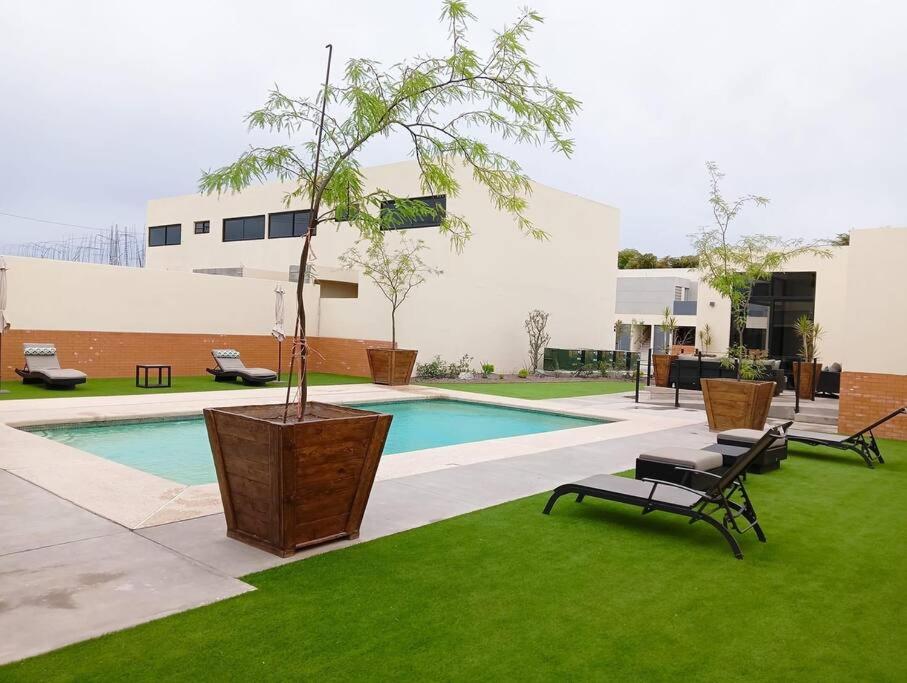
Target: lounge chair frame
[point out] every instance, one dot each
(41, 376)
(716, 505)
(222, 375)
(863, 442)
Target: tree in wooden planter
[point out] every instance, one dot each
(808, 370)
(395, 273)
(291, 478)
(663, 360)
(731, 268)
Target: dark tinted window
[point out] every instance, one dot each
(288, 224)
(434, 212)
(247, 228)
(202, 227)
(161, 235)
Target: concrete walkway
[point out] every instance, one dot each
(67, 574)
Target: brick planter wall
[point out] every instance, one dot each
(867, 396)
(115, 354)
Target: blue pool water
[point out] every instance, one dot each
(179, 450)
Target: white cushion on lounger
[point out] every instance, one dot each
(257, 372)
(684, 457)
(744, 435)
(57, 374)
(641, 489)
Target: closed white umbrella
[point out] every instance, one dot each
(4, 323)
(277, 331)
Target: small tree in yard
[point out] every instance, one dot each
(396, 273)
(668, 328)
(445, 108)
(536, 326)
(732, 267)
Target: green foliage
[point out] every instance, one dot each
(732, 267)
(705, 338)
(809, 332)
(629, 259)
(842, 239)
(436, 368)
(395, 272)
(747, 368)
(523, 373)
(669, 327)
(487, 369)
(443, 106)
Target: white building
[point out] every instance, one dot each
(476, 307)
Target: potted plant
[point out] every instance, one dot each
(808, 370)
(293, 478)
(396, 273)
(731, 268)
(663, 360)
(705, 339)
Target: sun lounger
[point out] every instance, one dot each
(230, 366)
(43, 366)
(715, 505)
(862, 442)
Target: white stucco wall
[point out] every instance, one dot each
(875, 318)
(60, 295)
(477, 306)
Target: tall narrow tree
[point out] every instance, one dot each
(446, 108)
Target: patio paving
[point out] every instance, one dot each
(69, 574)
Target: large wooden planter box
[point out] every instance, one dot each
(391, 366)
(806, 379)
(736, 404)
(289, 486)
(662, 363)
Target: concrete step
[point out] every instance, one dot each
(823, 412)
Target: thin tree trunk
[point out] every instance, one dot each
(303, 384)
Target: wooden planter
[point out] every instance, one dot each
(289, 486)
(391, 366)
(662, 362)
(736, 404)
(806, 379)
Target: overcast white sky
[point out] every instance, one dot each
(104, 105)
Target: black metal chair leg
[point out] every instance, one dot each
(735, 547)
(580, 498)
(552, 500)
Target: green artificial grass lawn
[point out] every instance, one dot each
(542, 390)
(593, 592)
(123, 386)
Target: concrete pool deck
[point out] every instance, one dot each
(75, 564)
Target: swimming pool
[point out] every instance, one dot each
(177, 449)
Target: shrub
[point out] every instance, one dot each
(523, 374)
(487, 369)
(437, 368)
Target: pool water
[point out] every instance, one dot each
(178, 449)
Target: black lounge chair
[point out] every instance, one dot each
(863, 443)
(666, 496)
(43, 366)
(230, 367)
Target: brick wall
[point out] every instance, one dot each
(114, 354)
(867, 396)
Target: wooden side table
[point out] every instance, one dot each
(160, 372)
